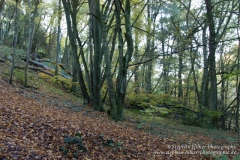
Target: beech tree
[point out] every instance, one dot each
(31, 21)
(237, 76)
(58, 37)
(16, 19)
(71, 12)
(116, 48)
(116, 112)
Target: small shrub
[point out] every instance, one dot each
(189, 119)
(138, 101)
(19, 75)
(73, 146)
(153, 110)
(117, 146)
(212, 114)
(205, 121)
(42, 55)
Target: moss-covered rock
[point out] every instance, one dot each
(143, 100)
(57, 81)
(153, 110)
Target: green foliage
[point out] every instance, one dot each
(6, 51)
(118, 145)
(189, 119)
(114, 145)
(224, 157)
(73, 146)
(153, 110)
(161, 99)
(206, 121)
(151, 105)
(140, 125)
(237, 157)
(42, 55)
(143, 101)
(212, 114)
(18, 75)
(138, 101)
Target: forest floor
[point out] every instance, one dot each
(38, 123)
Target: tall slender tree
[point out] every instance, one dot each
(1, 5)
(58, 37)
(16, 19)
(70, 9)
(97, 57)
(237, 76)
(31, 21)
(212, 54)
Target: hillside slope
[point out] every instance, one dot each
(34, 125)
(29, 130)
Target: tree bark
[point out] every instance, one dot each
(97, 57)
(180, 68)
(148, 74)
(2, 4)
(15, 38)
(31, 21)
(237, 76)
(203, 101)
(70, 12)
(212, 49)
(123, 59)
(58, 37)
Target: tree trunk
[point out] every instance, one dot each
(97, 57)
(180, 68)
(148, 74)
(165, 63)
(58, 37)
(15, 38)
(31, 21)
(136, 69)
(203, 102)
(90, 48)
(2, 4)
(108, 62)
(66, 55)
(116, 113)
(72, 34)
(237, 76)
(211, 57)
(123, 60)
